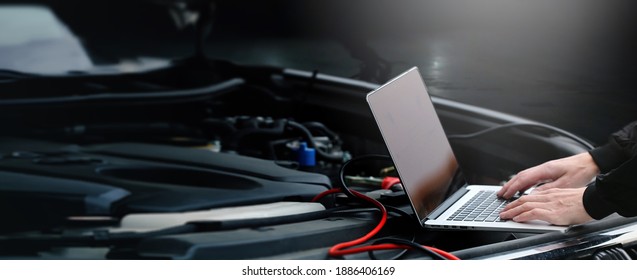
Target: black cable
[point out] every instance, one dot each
(395, 257)
(518, 125)
(346, 191)
(399, 211)
(341, 172)
(413, 238)
(411, 244)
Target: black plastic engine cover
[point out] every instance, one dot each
(54, 181)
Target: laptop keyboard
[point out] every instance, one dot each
(483, 207)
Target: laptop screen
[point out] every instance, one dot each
(415, 139)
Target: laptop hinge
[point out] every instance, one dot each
(447, 203)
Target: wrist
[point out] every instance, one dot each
(589, 163)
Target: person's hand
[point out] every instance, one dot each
(557, 206)
(570, 172)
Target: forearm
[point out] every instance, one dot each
(613, 192)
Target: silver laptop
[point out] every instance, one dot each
(426, 165)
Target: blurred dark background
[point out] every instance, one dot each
(569, 63)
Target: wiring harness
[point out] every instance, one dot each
(350, 247)
(361, 244)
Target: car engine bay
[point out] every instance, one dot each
(222, 161)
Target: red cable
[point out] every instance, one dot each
(338, 249)
(342, 249)
(324, 194)
(388, 182)
(388, 246)
(445, 254)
